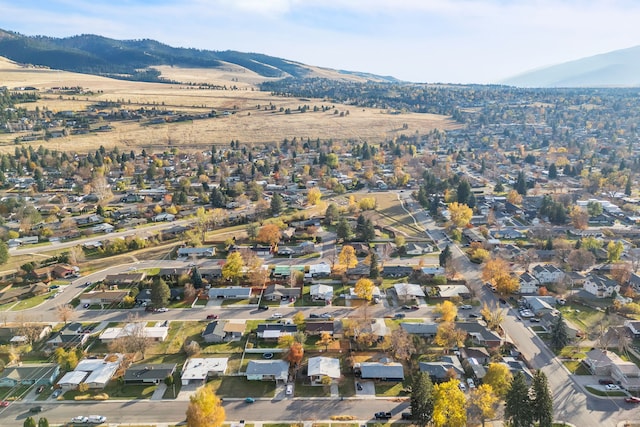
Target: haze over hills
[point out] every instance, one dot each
(135, 59)
(620, 68)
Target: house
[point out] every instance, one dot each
(600, 286)
(267, 370)
(197, 370)
(152, 333)
(230, 292)
(29, 374)
(516, 365)
(320, 327)
(359, 271)
(507, 234)
(234, 329)
(277, 292)
(397, 270)
(413, 248)
(9, 332)
(124, 278)
(70, 336)
(604, 362)
(163, 217)
(318, 271)
(445, 369)
(547, 273)
(320, 367)
(480, 334)
(528, 284)
(102, 228)
(634, 327)
(273, 331)
(375, 294)
(454, 291)
(64, 271)
(214, 332)
(203, 252)
(408, 290)
(391, 371)
(432, 270)
(321, 292)
(425, 330)
(96, 373)
(103, 297)
(539, 305)
(599, 361)
(152, 373)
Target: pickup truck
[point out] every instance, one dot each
(382, 415)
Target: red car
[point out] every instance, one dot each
(4, 403)
(212, 316)
(632, 399)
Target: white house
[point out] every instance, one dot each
(600, 286)
(196, 370)
(408, 290)
(547, 273)
(154, 333)
(321, 292)
(528, 284)
(268, 370)
(320, 367)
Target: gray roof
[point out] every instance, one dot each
(214, 328)
(420, 328)
(268, 367)
(382, 370)
(144, 371)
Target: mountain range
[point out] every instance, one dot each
(135, 59)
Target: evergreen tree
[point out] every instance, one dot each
(559, 335)
(331, 214)
(4, 252)
(218, 199)
(517, 408)
(627, 187)
(277, 205)
(343, 230)
(374, 272)
(196, 277)
(521, 184)
(43, 422)
(422, 399)
(445, 256)
(463, 192)
(499, 188)
(29, 422)
(160, 293)
(542, 403)
(553, 171)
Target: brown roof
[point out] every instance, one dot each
(235, 327)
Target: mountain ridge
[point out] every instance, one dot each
(135, 59)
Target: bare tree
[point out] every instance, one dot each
(101, 188)
(65, 312)
(401, 343)
(189, 292)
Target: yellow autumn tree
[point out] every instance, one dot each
(205, 409)
(483, 403)
(449, 405)
(460, 214)
(447, 310)
(499, 378)
(347, 257)
(313, 196)
(494, 268)
(364, 289)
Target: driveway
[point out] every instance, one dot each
(368, 389)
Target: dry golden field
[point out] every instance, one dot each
(248, 125)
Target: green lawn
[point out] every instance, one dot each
(13, 393)
(227, 302)
(241, 387)
(305, 390)
(179, 332)
(31, 302)
(347, 386)
(115, 390)
(585, 318)
(390, 389)
(598, 392)
(576, 367)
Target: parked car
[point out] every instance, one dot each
(149, 308)
(40, 389)
(80, 420)
(382, 415)
(466, 307)
(406, 416)
(267, 355)
(470, 383)
(277, 315)
(406, 307)
(534, 320)
(612, 387)
(359, 386)
(4, 403)
(474, 316)
(96, 419)
(289, 390)
(57, 392)
(212, 316)
(326, 315)
(314, 316)
(399, 316)
(462, 386)
(632, 399)
(415, 307)
(263, 307)
(35, 409)
(502, 301)
(605, 381)
(162, 310)
(249, 400)
(86, 305)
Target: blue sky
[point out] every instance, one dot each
(448, 41)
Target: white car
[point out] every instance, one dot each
(462, 386)
(289, 390)
(80, 420)
(612, 387)
(96, 419)
(276, 316)
(470, 383)
(465, 307)
(163, 310)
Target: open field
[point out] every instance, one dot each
(248, 124)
